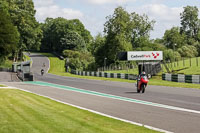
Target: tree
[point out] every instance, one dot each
(22, 14)
(188, 51)
(124, 32)
(173, 37)
(60, 33)
(76, 25)
(170, 55)
(9, 36)
(73, 41)
(140, 29)
(190, 24)
(97, 42)
(79, 60)
(118, 37)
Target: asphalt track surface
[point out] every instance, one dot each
(173, 120)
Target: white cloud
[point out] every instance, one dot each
(39, 3)
(55, 11)
(162, 12)
(47, 8)
(99, 2)
(164, 16)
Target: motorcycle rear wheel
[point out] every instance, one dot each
(143, 86)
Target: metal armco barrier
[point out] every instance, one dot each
(106, 75)
(195, 79)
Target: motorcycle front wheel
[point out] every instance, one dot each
(138, 90)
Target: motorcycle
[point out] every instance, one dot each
(142, 83)
(42, 72)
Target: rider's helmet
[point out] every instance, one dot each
(143, 74)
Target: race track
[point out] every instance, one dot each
(169, 108)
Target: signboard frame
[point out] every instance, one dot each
(145, 55)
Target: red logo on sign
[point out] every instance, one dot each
(155, 55)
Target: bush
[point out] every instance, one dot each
(171, 55)
(79, 60)
(188, 51)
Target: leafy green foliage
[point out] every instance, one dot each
(188, 51)
(79, 60)
(73, 41)
(61, 34)
(23, 16)
(98, 49)
(190, 24)
(97, 42)
(170, 55)
(173, 39)
(9, 36)
(186, 39)
(76, 25)
(124, 32)
(117, 34)
(140, 29)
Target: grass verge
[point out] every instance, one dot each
(7, 64)
(2, 86)
(57, 68)
(25, 112)
(186, 66)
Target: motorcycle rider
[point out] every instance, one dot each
(141, 75)
(42, 72)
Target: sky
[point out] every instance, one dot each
(93, 13)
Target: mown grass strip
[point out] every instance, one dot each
(24, 112)
(2, 85)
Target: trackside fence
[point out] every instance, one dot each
(104, 74)
(182, 78)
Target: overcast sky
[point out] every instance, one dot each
(92, 13)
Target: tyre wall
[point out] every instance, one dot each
(195, 79)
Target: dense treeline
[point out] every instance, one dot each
(123, 31)
(60, 34)
(28, 32)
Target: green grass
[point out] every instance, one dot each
(130, 71)
(57, 68)
(56, 65)
(2, 85)
(7, 64)
(172, 84)
(184, 67)
(22, 112)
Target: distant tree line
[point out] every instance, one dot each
(184, 40)
(123, 31)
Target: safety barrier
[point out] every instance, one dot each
(106, 75)
(5, 69)
(23, 71)
(182, 78)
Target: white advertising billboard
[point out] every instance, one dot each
(145, 55)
